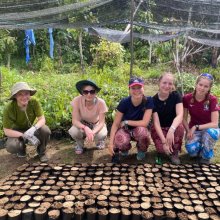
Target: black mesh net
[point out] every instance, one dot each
(153, 20)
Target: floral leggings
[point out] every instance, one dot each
(124, 136)
(203, 143)
(178, 139)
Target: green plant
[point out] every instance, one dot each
(214, 71)
(107, 54)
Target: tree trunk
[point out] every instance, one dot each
(150, 52)
(214, 57)
(8, 60)
(60, 54)
(81, 52)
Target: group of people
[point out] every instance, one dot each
(163, 117)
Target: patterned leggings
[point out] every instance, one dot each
(139, 134)
(178, 139)
(203, 143)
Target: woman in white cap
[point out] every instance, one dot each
(88, 116)
(24, 122)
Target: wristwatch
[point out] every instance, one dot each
(126, 122)
(197, 127)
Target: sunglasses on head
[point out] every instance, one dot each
(86, 92)
(207, 75)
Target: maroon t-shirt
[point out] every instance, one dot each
(200, 113)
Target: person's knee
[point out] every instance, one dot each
(44, 130)
(14, 145)
(213, 133)
(193, 148)
(74, 132)
(141, 132)
(102, 134)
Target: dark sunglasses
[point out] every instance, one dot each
(207, 75)
(86, 92)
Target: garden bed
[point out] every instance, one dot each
(97, 191)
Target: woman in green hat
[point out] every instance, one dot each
(24, 122)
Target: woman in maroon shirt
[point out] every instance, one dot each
(202, 131)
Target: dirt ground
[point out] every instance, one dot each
(62, 152)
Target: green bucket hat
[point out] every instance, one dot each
(19, 86)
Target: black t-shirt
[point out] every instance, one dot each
(166, 109)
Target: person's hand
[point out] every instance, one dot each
(111, 149)
(32, 140)
(89, 134)
(30, 132)
(167, 148)
(170, 137)
(190, 133)
(124, 124)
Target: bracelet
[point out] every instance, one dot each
(174, 129)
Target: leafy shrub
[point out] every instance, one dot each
(213, 71)
(188, 81)
(107, 54)
(55, 91)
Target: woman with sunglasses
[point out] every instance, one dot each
(131, 121)
(88, 116)
(202, 131)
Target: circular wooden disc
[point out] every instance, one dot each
(145, 205)
(33, 204)
(3, 212)
(14, 213)
(203, 216)
(25, 198)
(54, 214)
(199, 208)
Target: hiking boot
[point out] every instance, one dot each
(100, 145)
(43, 158)
(175, 159)
(78, 149)
(140, 155)
(204, 161)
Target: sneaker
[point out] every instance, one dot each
(140, 155)
(158, 159)
(204, 161)
(78, 150)
(100, 145)
(124, 153)
(21, 154)
(43, 158)
(175, 159)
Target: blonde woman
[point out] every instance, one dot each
(167, 130)
(202, 131)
